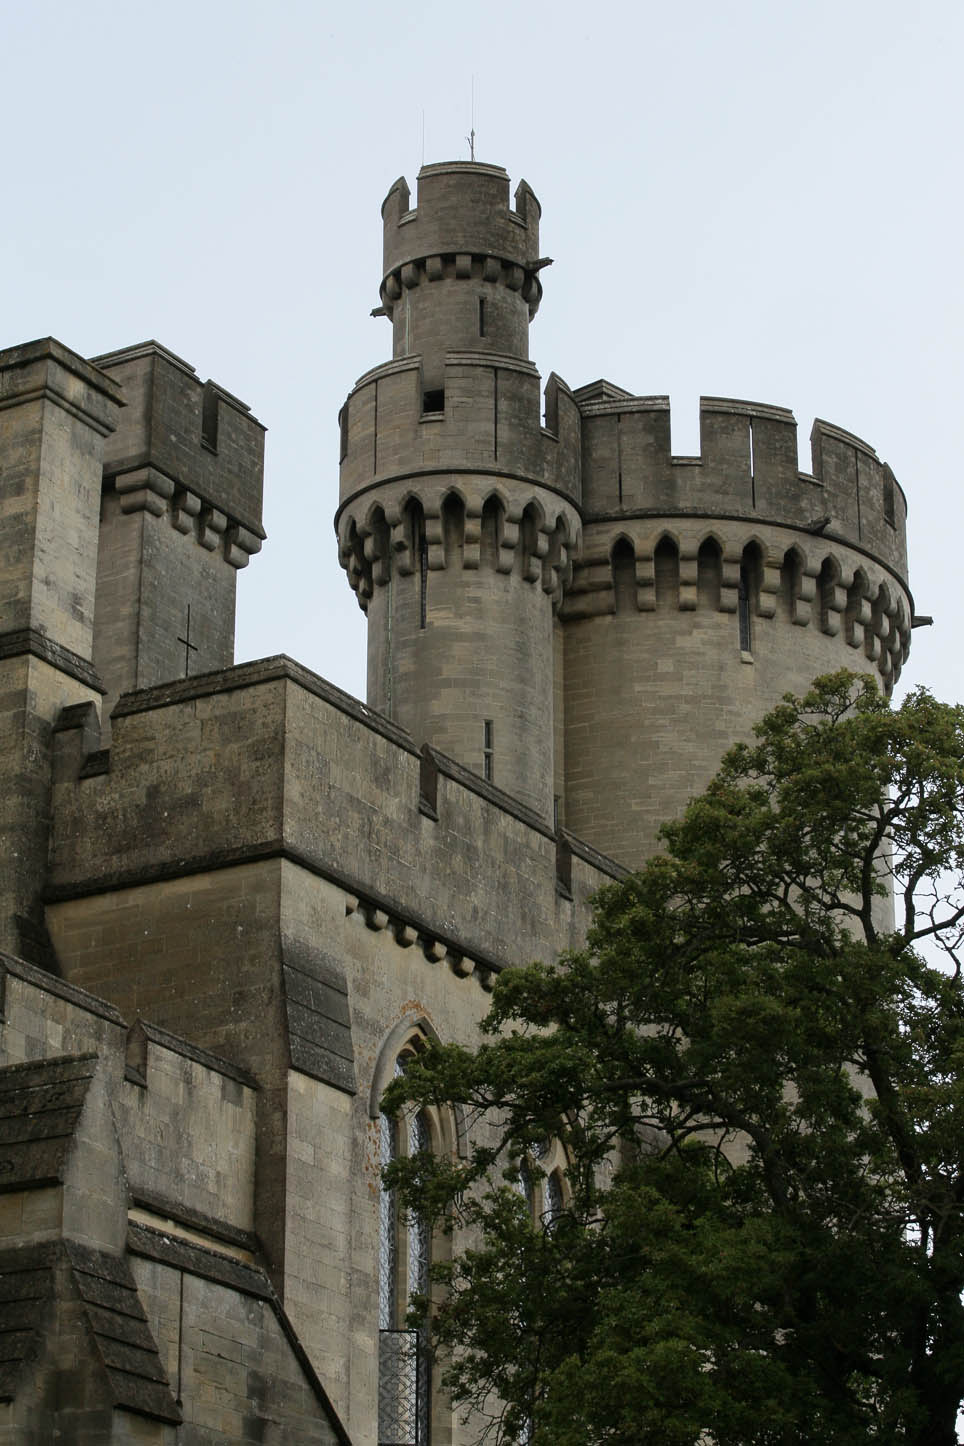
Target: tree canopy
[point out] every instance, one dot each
(754, 1069)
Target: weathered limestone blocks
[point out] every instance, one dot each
(56, 412)
(484, 415)
(468, 521)
(747, 467)
(180, 515)
(178, 430)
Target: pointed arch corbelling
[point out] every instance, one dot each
(351, 555)
(377, 544)
(535, 542)
(709, 573)
(794, 604)
(858, 613)
(666, 573)
(622, 561)
(557, 566)
(452, 514)
(491, 531)
(831, 595)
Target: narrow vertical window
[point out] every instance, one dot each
(743, 599)
(404, 1260)
(481, 316)
(488, 750)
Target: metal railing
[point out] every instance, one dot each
(404, 1389)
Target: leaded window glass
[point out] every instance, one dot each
(387, 1234)
(404, 1258)
(553, 1201)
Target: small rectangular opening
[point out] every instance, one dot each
(481, 316)
(488, 750)
(434, 401)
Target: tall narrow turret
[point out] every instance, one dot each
(458, 508)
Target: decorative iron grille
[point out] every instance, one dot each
(404, 1386)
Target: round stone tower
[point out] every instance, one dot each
(458, 508)
(560, 604)
(707, 588)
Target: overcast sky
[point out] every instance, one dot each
(758, 200)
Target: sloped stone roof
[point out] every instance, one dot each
(121, 1333)
(318, 1017)
(40, 1104)
(26, 1291)
(30, 1282)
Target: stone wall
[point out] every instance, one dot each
(134, 1305)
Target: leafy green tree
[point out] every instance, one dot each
(755, 1071)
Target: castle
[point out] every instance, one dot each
(234, 897)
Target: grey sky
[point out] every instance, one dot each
(757, 200)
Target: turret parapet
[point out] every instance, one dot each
(56, 413)
(487, 417)
(461, 271)
(486, 450)
(463, 209)
(187, 448)
(747, 466)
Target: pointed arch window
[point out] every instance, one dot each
(404, 1264)
(552, 1200)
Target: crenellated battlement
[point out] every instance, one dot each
(461, 228)
(748, 466)
(186, 448)
(560, 598)
(490, 420)
(461, 271)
